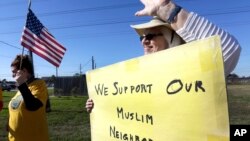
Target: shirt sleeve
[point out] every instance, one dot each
(31, 102)
(197, 27)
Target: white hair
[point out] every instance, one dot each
(171, 37)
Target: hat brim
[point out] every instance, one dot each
(155, 22)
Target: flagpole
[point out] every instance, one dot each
(30, 52)
(29, 4)
(21, 62)
(34, 28)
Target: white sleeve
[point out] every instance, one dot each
(197, 27)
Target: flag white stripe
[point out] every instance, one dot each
(36, 41)
(36, 38)
(53, 41)
(37, 50)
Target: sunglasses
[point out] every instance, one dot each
(149, 36)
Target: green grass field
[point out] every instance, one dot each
(69, 120)
(239, 104)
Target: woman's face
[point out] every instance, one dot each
(153, 40)
(19, 73)
(14, 71)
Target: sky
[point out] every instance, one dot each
(101, 29)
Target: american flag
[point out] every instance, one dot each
(36, 38)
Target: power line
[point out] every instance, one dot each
(5, 56)
(10, 45)
(91, 9)
(3, 42)
(111, 22)
(238, 11)
(126, 5)
(115, 21)
(19, 3)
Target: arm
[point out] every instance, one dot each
(193, 27)
(197, 27)
(30, 101)
(163, 9)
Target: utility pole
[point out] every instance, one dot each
(56, 72)
(80, 69)
(32, 62)
(93, 63)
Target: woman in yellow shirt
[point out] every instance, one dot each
(27, 114)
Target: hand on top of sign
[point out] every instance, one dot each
(172, 25)
(152, 7)
(89, 105)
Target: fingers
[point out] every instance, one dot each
(140, 13)
(149, 8)
(89, 105)
(20, 77)
(19, 73)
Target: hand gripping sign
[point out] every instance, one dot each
(177, 94)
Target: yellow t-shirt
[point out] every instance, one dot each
(25, 125)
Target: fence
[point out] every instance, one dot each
(70, 85)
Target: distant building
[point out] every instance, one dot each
(7, 85)
(68, 85)
(236, 80)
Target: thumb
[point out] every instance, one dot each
(141, 13)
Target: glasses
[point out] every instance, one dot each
(150, 36)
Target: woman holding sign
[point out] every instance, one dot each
(172, 26)
(27, 115)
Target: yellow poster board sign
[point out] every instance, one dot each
(177, 94)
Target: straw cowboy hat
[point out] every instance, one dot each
(153, 23)
(156, 22)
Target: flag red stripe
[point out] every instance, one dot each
(34, 40)
(38, 47)
(52, 39)
(43, 43)
(52, 47)
(40, 54)
(46, 38)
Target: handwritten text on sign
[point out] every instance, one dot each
(176, 94)
(101, 89)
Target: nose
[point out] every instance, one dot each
(13, 75)
(145, 42)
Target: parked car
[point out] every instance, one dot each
(5, 87)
